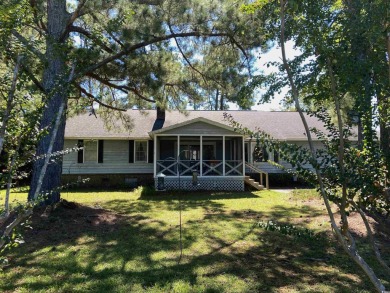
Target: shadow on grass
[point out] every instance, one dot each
(172, 201)
(197, 196)
(89, 249)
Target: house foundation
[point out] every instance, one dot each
(203, 183)
(108, 180)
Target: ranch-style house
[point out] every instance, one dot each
(191, 150)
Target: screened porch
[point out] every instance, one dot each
(207, 156)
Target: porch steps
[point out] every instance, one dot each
(253, 183)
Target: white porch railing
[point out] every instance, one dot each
(186, 167)
(254, 169)
(168, 167)
(234, 168)
(171, 167)
(212, 168)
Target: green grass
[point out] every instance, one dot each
(121, 241)
(305, 194)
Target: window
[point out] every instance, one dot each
(141, 148)
(90, 151)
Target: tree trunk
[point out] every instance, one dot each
(384, 128)
(216, 100)
(55, 86)
(384, 113)
(348, 246)
(362, 85)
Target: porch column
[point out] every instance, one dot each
(223, 155)
(155, 155)
(250, 151)
(178, 155)
(201, 156)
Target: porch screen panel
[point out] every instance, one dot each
(219, 151)
(228, 149)
(190, 152)
(234, 164)
(212, 164)
(167, 149)
(166, 155)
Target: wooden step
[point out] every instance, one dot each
(253, 183)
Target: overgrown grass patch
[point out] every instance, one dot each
(123, 241)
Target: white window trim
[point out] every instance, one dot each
(135, 151)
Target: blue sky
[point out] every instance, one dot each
(271, 56)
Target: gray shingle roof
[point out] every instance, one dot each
(280, 125)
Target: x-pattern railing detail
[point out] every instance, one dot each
(233, 168)
(212, 167)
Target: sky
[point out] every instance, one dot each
(274, 54)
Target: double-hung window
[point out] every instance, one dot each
(141, 151)
(90, 151)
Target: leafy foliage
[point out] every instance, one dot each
(287, 229)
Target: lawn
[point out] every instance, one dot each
(116, 241)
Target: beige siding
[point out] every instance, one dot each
(200, 128)
(115, 160)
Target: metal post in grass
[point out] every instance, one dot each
(180, 208)
(194, 183)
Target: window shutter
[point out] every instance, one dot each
(80, 153)
(131, 151)
(100, 151)
(151, 151)
(276, 157)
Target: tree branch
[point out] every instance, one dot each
(25, 42)
(95, 18)
(341, 149)
(138, 94)
(93, 98)
(86, 33)
(72, 19)
(10, 102)
(371, 238)
(233, 40)
(27, 71)
(76, 13)
(20, 217)
(185, 57)
(130, 48)
(124, 88)
(38, 21)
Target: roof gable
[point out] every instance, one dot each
(196, 126)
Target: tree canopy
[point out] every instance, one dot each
(121, 54)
